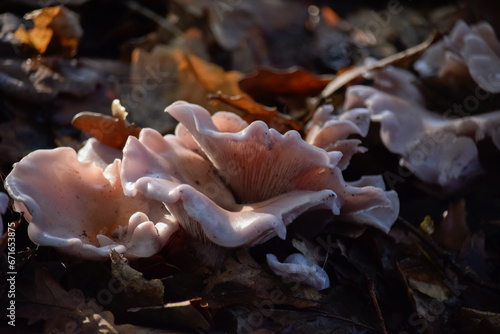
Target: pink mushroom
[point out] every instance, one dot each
(466, 52)
(221, 179)
(239, 185)
(80, 208)
(331, 132)
(296, 268)
(437, 150)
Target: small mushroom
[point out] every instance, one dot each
(330, 132)
(296, 268)
(467, 52)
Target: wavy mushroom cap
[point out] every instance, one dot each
(331, 132)
(437, 150)
(468, 51)
(80, 208)
(296, 268)
(239, 185)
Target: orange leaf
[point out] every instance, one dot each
(253, 111)
(109, 130)
(56, 30)
(294, 82)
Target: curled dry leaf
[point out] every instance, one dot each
(291, 86)
(173, 73)
(112, 131)
(253, 111)
(56, 31)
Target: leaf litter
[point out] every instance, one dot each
(407, 281)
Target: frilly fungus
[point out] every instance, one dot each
(222, 180)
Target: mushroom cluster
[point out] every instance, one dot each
(468, 52)
(438, 148)
(220, 179)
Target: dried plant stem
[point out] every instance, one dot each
(148, 13)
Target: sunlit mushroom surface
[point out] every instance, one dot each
(221, 179)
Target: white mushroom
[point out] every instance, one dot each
(296, 268)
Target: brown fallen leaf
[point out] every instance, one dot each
(208, 75)
(110, 130)
(481, 322)
(167, 74)
(422, 277)
(291, 86)
(244, 281)
(48, 300)
(251, 111)
(56, 31)
(179, 75)
(453, 229)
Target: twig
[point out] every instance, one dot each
(375, 303)
(350, 75)
(146, 12)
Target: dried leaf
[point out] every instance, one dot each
(453, 229)
(482, 322)
(291, 86)
(245, 282)
(48, 300)
(423, 278)
(169, 74)
(110, 130)
(191, 314)
(193, 79)
(137, 290)
(56, 31)
(251, 111)
(208, 75)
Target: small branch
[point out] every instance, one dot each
(148, 13)
(375, 303)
